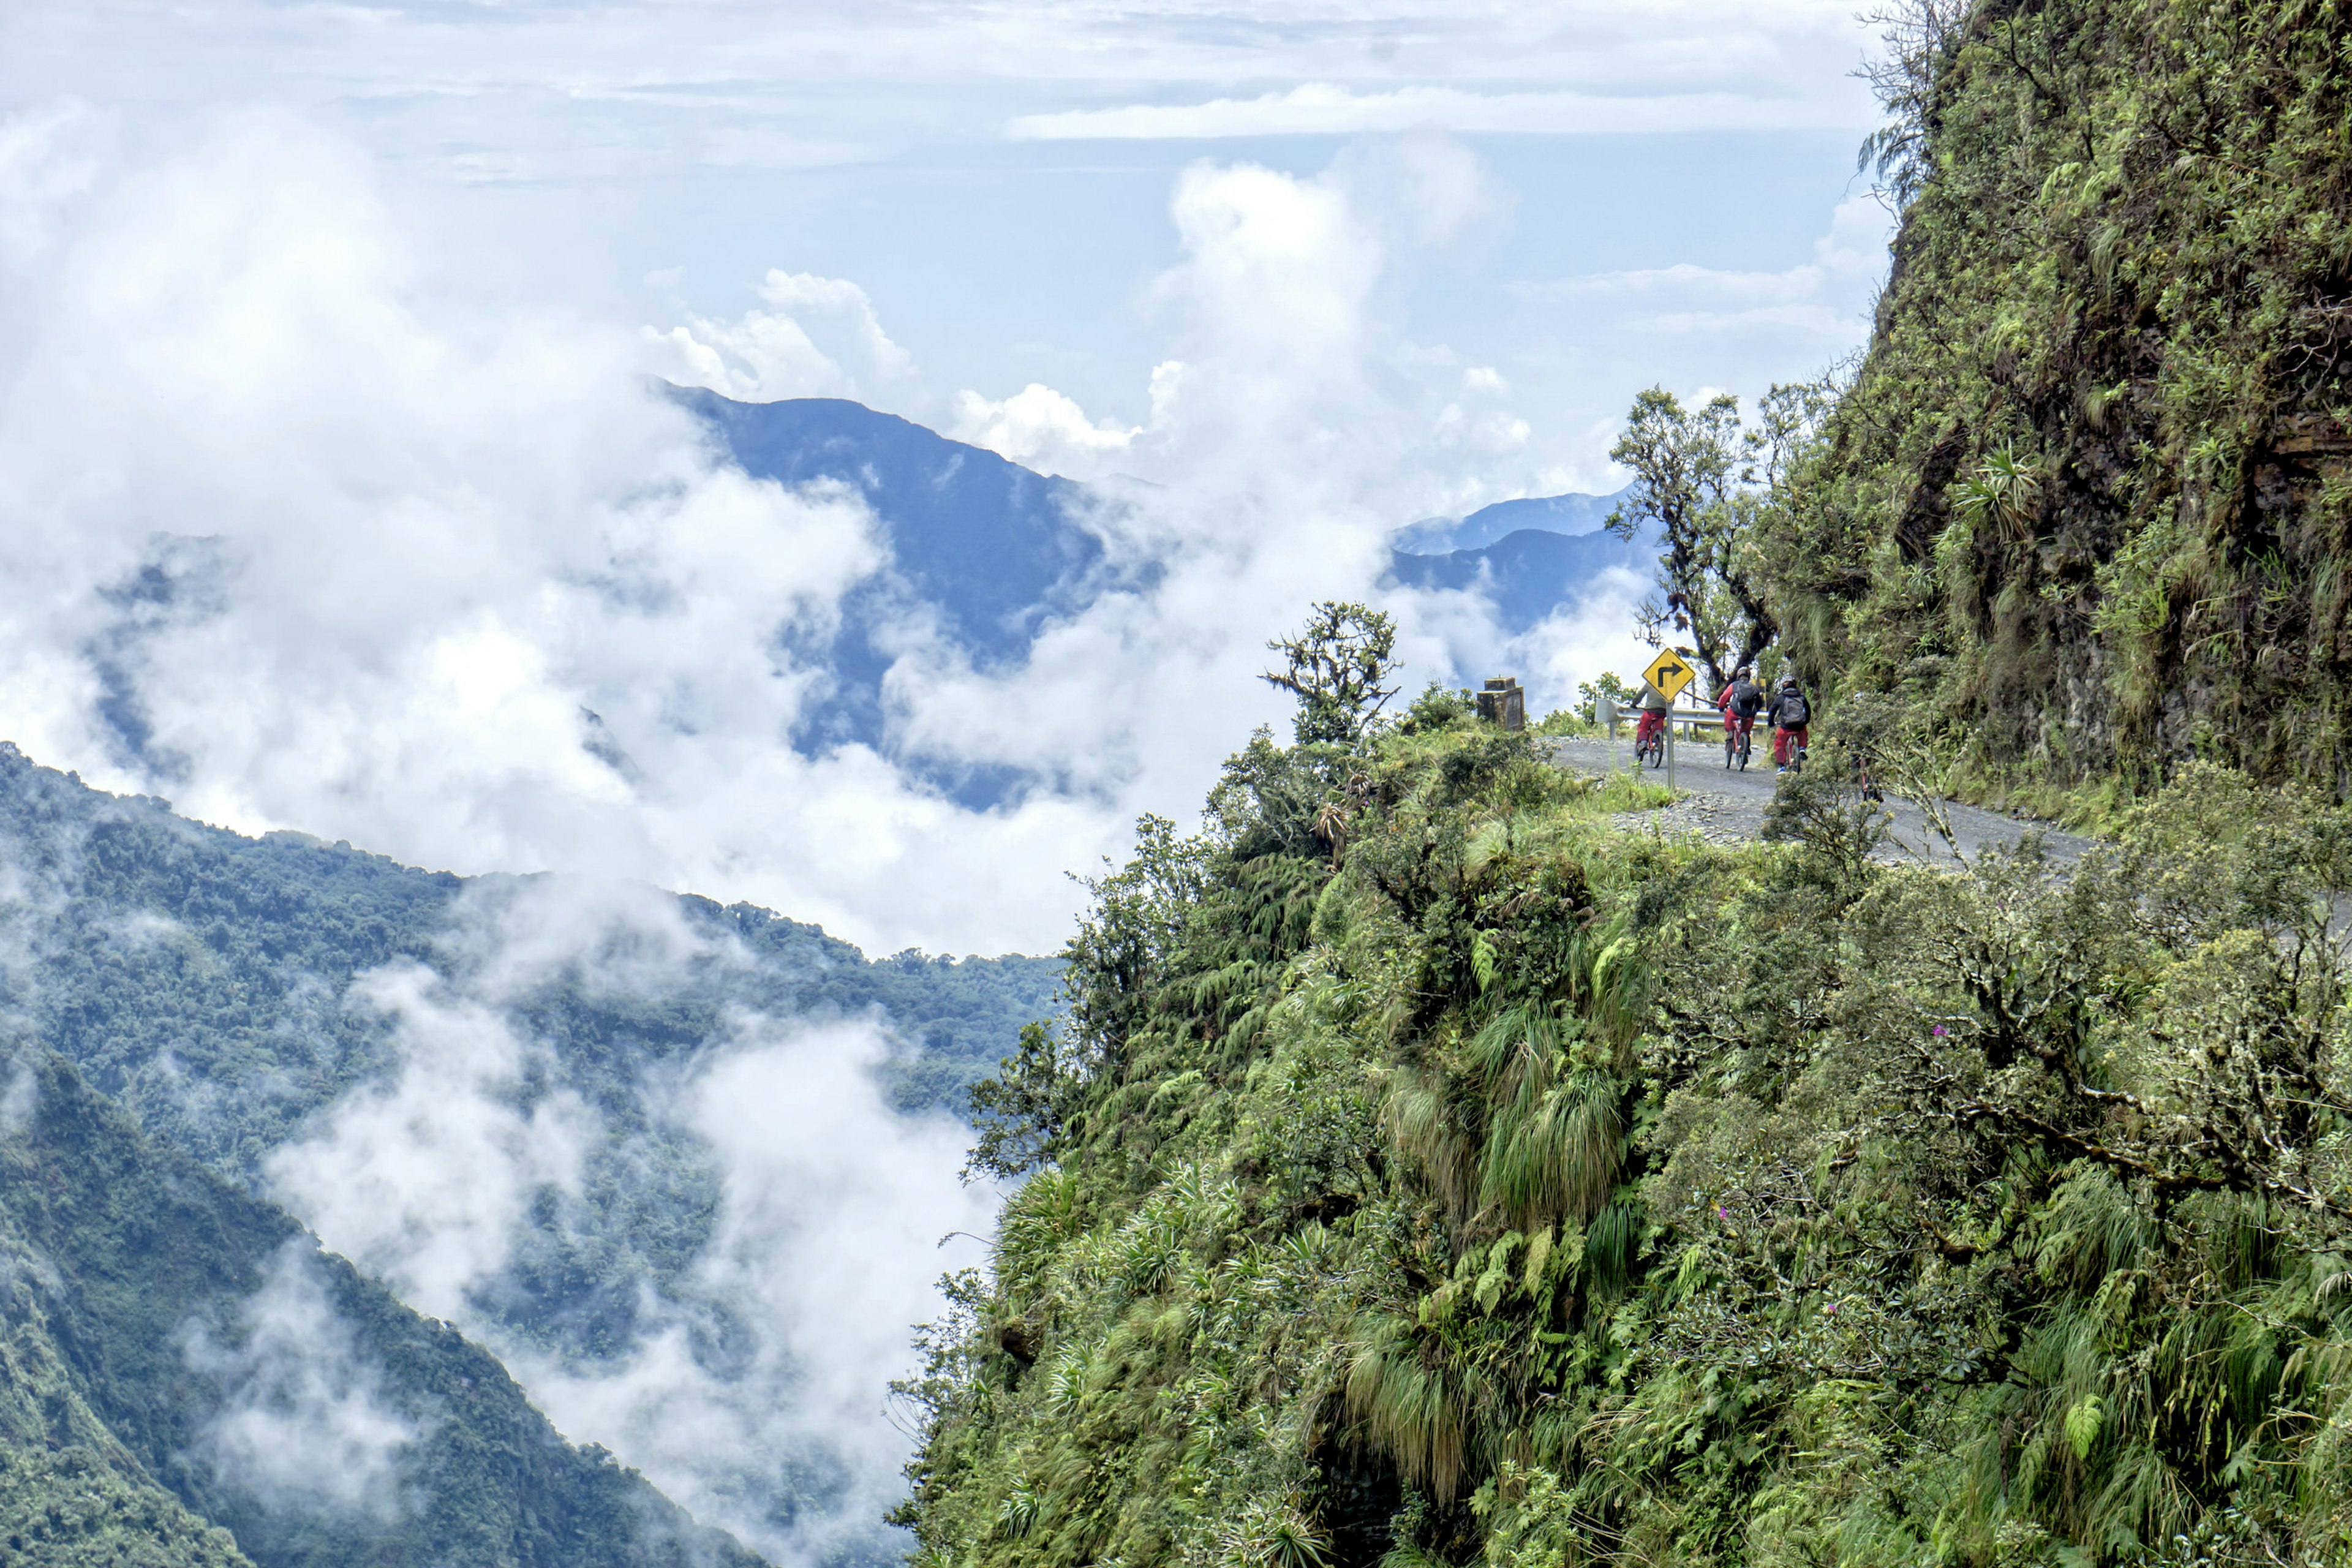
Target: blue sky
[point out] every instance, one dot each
(998, 178)
(1060, 241)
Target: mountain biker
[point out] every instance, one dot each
(1789, 715)
(1741, 699)
(1655, 707)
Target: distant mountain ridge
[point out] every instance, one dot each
(984, 548)
(1528, 573)
(1569, 514)
(988, 552)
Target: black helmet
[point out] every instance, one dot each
(1788, 682)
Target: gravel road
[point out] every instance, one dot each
(1725, 806)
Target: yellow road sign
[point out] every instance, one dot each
(1669, 672)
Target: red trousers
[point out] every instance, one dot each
(1784, 740)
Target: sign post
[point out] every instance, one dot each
(1669, 672)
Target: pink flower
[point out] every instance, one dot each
(1721, 1212)
(1941, 1031)
(1830, 1311)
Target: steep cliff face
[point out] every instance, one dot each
(2090, 495)
(1527, 1192)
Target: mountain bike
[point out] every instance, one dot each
(1739, 737)
(1650, 740)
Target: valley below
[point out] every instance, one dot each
(680, 1168)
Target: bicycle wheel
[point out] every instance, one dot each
(1746, 743)
(1730, 749)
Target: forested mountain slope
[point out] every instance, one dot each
(1527, 575)
(1434, 1172)
(496, 1068)
(2089, 498)
(178, 1357)
(198, 974)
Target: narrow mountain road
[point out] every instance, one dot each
(1726, 806)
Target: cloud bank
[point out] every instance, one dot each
(818, 337)
(540, 93)
(306, 527)
(827, 1247)
(751, 1386)
(1332, 108)
(423, 1180)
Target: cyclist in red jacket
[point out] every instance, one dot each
(1654, 706)
(1741, 699)
(1790, 717)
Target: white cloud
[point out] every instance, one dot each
(819, 338)
(302, 1425)
(1333, 108)
(20, 1099)
(431, 547)
(1041, 428)
(1493, 432)
(770, 1358)
(43, 167)
(548, 93)
(827, 1248)
(1580, 642)
(424, 1179)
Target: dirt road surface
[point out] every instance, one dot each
(1726, 806)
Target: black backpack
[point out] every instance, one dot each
(1746, 699)
(1792, 710)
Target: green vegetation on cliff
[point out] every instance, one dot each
(2088, 501)
(1525, 1191)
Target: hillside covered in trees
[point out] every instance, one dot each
(1432, 1172)
(185, 1005)
(185, 1380)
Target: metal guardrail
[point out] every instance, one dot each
(1607, 714)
